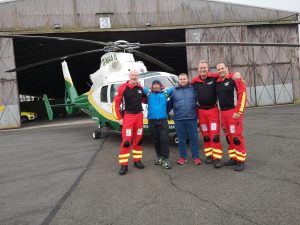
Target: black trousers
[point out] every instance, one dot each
(159, 130)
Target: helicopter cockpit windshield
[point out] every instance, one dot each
(168, 80)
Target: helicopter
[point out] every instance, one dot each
(98, 101)
(115, 66)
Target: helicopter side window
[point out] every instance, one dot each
(113, 91)
(103, 95)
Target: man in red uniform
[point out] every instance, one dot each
(232, 115)
(208, 113)
(130, 94)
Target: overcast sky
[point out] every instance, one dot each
(291, 5)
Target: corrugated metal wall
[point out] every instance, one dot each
(42, 14)
(9, 97)
(269, 71)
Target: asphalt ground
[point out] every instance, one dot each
(56, 174)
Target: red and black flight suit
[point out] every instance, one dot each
(234, 127)
(132, 129)
(208, 114)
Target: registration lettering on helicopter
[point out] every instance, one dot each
(108, 59)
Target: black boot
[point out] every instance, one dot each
(239, 166)
(230, 162)
(139, 165)
(218, 163)
(208, 160)
(123, 170)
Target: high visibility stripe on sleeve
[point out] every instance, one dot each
(243, 102)
(114, 110)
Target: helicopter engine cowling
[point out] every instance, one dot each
(115, 67)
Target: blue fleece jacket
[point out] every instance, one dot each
(157, 103)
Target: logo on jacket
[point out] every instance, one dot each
(226, 83)
(139, 92)
(211, 82)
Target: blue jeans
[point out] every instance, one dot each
(184, 128)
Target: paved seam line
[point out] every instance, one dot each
(59, 204)
(206, 200)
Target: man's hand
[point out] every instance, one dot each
(120, 122)
(237, 75)
(236, 115)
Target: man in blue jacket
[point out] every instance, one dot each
(158, 121)
(183, 102)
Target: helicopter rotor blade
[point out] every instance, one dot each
(55, 38)
(54, 60)
(186, 44)
(153, 60)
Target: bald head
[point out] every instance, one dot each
(133, 77)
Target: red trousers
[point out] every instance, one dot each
(234, 133)
(132, 133)
(209, 122)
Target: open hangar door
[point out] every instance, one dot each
(48, 79)
(269, 72)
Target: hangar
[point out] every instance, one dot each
(271, 73)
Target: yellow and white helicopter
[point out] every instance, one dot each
(114, 69)
(98, 101)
